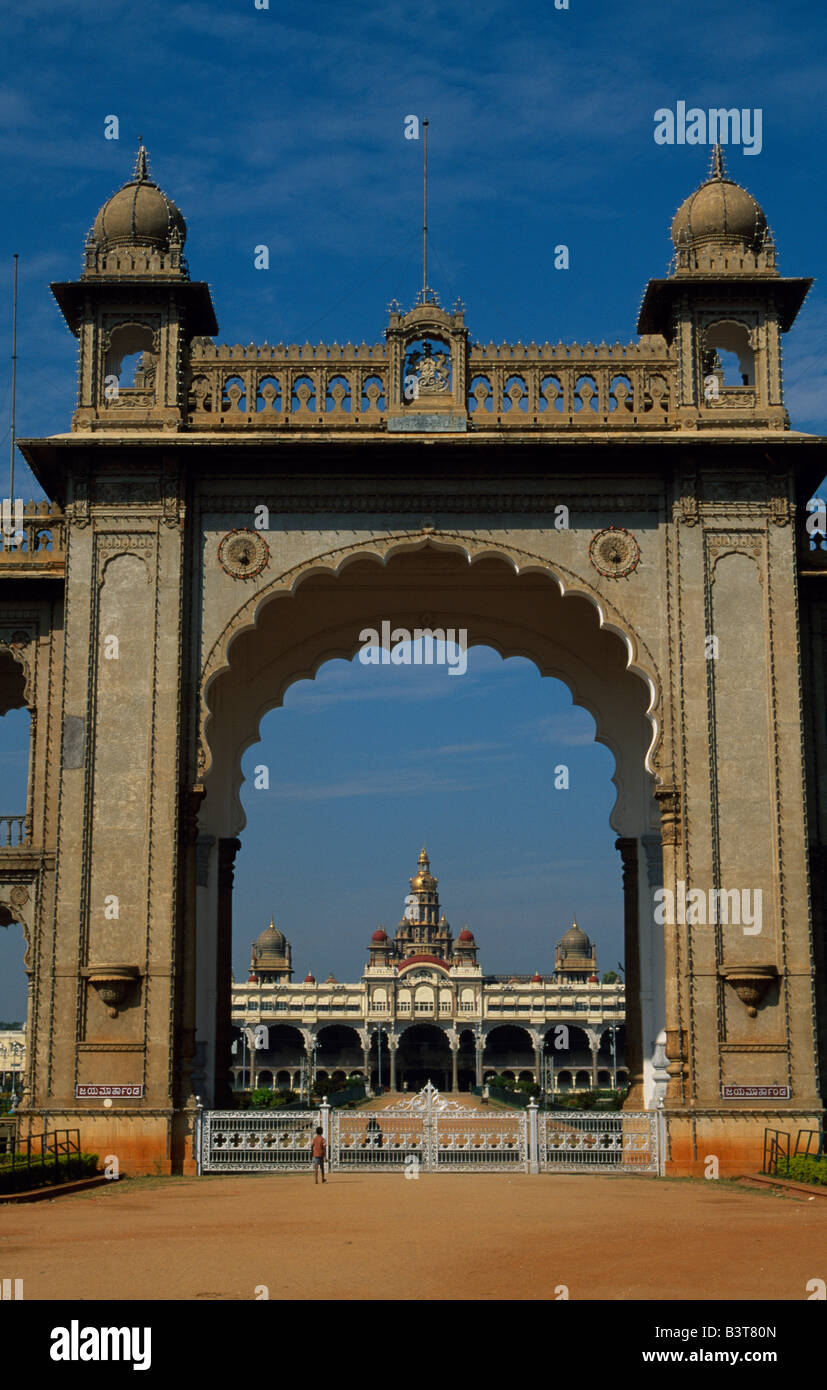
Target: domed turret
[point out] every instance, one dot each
(139, 214)
(270, 956)
(576, 941)
(423, 879)
(720, 211)
(575, 957)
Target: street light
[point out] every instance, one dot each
(377, 1032)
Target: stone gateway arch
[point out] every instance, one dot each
(225, 519)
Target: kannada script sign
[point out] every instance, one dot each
(115, 1092)
(755, 1092)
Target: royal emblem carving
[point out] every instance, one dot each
(614, 552)
(243, 553)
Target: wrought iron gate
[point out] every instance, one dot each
(256, 1141)
(431, 1133)
(583, 1141)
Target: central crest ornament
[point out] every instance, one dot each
(427, 370)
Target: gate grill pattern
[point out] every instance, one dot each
(439, 1134)
(250, 1141)
(622, 1142)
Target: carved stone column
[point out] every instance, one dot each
(392, 1045)
(631, 937)
(454, 1045)
(189, 807)
(669, 802)
(227, 851)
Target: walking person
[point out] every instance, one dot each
(318, 1150)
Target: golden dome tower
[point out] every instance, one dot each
(423, 928)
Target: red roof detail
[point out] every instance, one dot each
(309, 979)
(379, 935)
(593, 980)
(466, 935)
(415, 960)
(536, 979)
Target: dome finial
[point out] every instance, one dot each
(141, 173)
(717, 169)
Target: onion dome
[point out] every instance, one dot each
(720, 210)
(252, 979)
(379, 935)
(309, 979)
(536, 979)
(423, 878)
(271, 941)
(593, 980)
(139, 214)
(331, 979)
(466, 936)
(576, 941)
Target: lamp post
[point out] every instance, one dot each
(378, 1035)
(17, 1053)
(478, 1050)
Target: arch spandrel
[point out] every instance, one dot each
(602, 692)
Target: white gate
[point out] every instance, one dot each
(256, 1141)
(429, 1133)
(587, 1141)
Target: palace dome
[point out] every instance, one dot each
(423, 879)
(270, 942)
(139, 213)
(466, 935)
(536, 979)
(576, 941)
(720, 210)
(309, 979)
(379, 935)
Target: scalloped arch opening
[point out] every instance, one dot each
(514, 604)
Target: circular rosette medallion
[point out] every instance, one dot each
(614, 552)
(243, 553)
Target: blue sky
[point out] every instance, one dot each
(286, 128)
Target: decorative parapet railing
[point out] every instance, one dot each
(43, 543)
(510, 386)
(12, 832)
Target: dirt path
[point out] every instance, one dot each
(443, 1236)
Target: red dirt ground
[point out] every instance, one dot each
(442, 1236)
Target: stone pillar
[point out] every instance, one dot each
(538, 1061)
(392, 1045)
(652, 997)
(454, 1065)
(479, 1048)
(227, 850)
(631, 934)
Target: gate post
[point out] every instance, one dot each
(324, 1112)
(199, 1117)
(533, 1142)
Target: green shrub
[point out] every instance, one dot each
(262, 1098)
(804, 1168)
(68, 1168)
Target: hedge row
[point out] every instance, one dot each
(804, 1168)
(67, 1169)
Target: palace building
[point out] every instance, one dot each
(423, 992)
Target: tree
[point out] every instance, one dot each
(610, 977)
